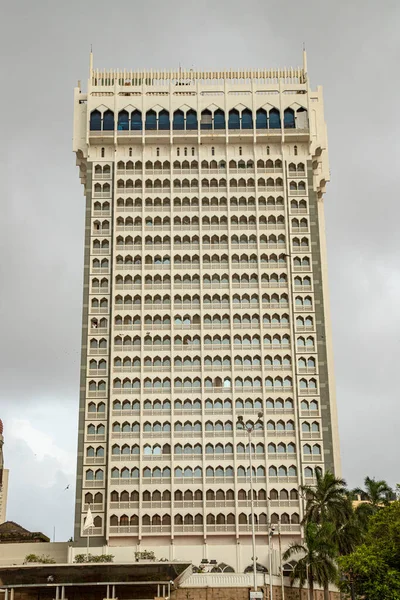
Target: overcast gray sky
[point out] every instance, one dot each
(353, 51)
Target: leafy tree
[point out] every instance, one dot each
(326, 501)
(374, 566)
(316, 563)
(376, 493)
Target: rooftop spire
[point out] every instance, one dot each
(304, 59)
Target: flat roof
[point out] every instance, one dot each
(137, 573)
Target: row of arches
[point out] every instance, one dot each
(218, 425)
(179, 120)
(270, 203)
(129, 167)
(127, 186)
(193, 383)
(128, 242)
(196, 495)
(197, 449)
(189, 405)
(197, 519)
(244, 300)
(209, 280)
(196, 472)
(276, 341)
(130, 223)
(218, 404)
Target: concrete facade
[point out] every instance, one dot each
(205, 300)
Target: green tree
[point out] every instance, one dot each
(327, 501)
(328, 504)
(374, 566)
(377, 493)
(315, 558)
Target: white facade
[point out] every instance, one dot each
(205, 299)
(3, 479)
(3, 496)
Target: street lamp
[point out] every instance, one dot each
(249, 427)
(270, 534)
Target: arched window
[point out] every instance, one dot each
(163, 120)
(288, 119)
(136, 121)
(261, 119)
(240, 151)
(274, 119)
(151, 120)
(130, 151)
(123, 120)
(234, 119)
(108, 121)
(295, 150)
(212, 151)
(219, 119)
(103, 152)
(247, 119)
(158, 151)
(191, 120)
(95, 120)
(178, 122)
(206, 119)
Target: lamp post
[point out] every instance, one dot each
(249, 428)
(270, 534)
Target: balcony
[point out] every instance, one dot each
(125, 529)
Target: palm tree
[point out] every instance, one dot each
(327, 501)
(317, 563)
(376, 493)
(328, 504)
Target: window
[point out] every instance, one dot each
(158, 151)
(130, 151)
(267, 149)
(103, 152)
(163, 120)
(178, 122)
(219, 119)
(212, 151)
(185, 151)
(295, 150)
(95, 120)
(192, 151)
(108, 121)
(151, 120)
(178, 151)
(240, 150)
(136, 120)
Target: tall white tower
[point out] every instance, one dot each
(205, 300)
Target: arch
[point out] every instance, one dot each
(95, 120)
(151, 120)
(274, 119)
(191, 121)
(123, 120)
(108, 121)
(219, 119)
(136, 122)
(261, 119)
(206, 119)
(288, 119)
(234, 119)
(178, 121)
(163, 120)
(247, 119)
